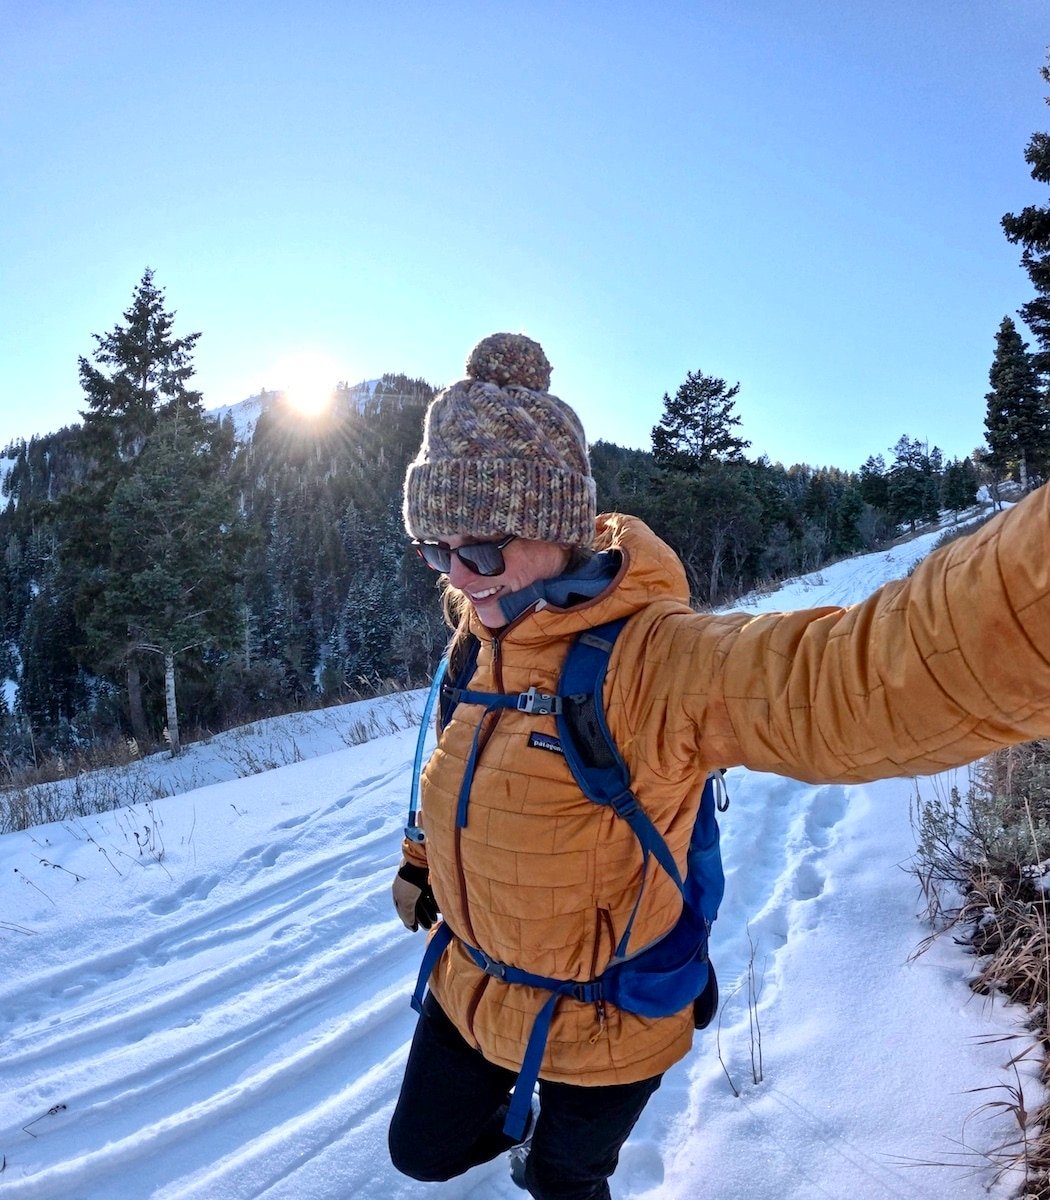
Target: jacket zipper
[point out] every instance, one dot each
(486, 733)
(604, 924)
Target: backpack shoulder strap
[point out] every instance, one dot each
(462, 663)
(589, 747)
(443, 696)
(582, 680)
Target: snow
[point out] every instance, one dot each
(205, 996)
(852, 579)
(244, 414)
(7, 465)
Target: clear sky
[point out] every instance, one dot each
(803, 197)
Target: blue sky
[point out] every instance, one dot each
(803, 197)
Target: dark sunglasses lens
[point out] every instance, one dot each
(483, 558)
(439, 558)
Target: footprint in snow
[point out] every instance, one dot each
(828, 807)
(293, 822)
(809, 882)
(193, 890)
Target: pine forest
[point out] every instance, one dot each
(168, 573)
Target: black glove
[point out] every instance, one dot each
(413, 897)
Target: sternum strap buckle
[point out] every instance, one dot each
(539, 703)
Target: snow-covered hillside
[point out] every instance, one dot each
(245, 414)
(205, 997)
(7, 465)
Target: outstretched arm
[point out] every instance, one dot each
(927, 673)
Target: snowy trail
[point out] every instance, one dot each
(231, 1022)
(261, 988)
(247, 1038)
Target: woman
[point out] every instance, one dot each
(927, 674)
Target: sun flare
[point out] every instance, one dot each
(309, 399)
(310, 383)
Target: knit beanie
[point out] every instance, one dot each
(501, 455)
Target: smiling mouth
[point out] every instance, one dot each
(484, 594)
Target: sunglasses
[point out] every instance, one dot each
(483, 558)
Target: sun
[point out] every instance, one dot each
(309, 399)
(310, 383)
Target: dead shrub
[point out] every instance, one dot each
(983, 863)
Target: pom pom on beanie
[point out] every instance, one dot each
(510, 358)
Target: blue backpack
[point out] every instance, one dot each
(668, 975)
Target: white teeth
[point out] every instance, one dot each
(476, 596)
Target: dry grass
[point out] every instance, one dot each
(984, 866)
(111, 776)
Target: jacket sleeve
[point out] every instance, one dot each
(927, 673)
(414, 852)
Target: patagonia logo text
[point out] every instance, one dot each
(544, 741)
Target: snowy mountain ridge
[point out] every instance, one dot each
(360, 398)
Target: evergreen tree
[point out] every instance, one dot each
(1031, 228)
(959, 487)
(169, 586)
(50, 683)
(137, 390)
(1017, 421)
(847, 537)
(624, 478)
(697, 425)
(779, 556)
(713, 519)
(913, 484)
(933, 470)
(705, 503)
(874, 486)
(140, 375)
(333, 598)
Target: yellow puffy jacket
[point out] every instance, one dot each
(928, 673)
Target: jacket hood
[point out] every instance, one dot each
(649, 570)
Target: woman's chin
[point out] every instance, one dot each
(490, 614)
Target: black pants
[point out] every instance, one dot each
(449, 1118)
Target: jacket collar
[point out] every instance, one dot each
(649, 570)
